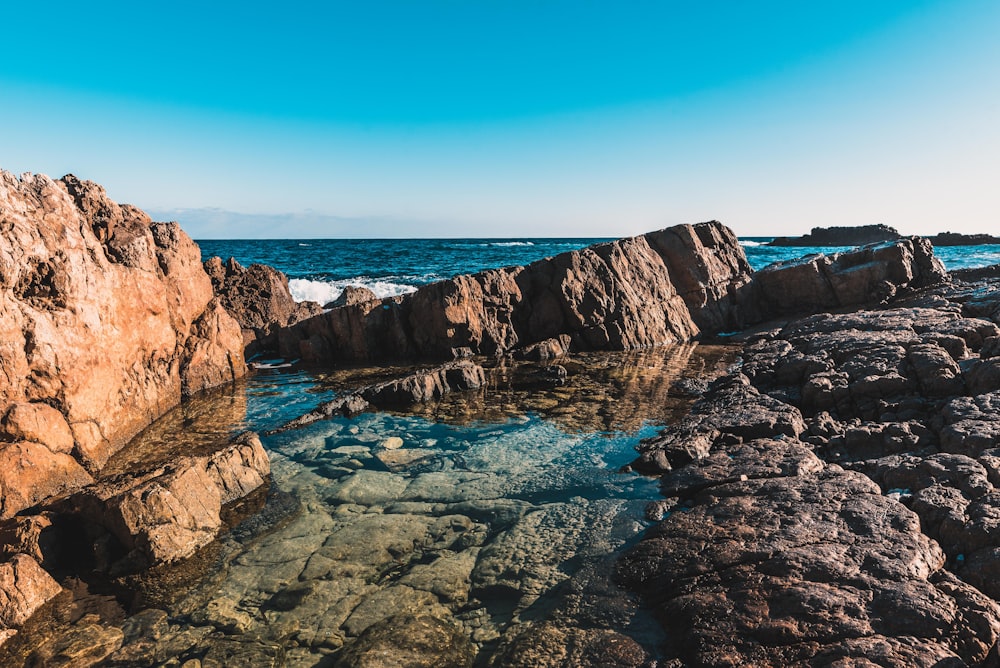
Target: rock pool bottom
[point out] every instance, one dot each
(481, 530)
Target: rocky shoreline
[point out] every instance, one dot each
(830, 501)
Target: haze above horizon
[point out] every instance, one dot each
(514, 119)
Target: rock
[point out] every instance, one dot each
(626, 294)
(409, 641)
(169, 513)
(104, 311)
(424, 386)
(546, 350)
(31, 472)
(39, 423)
(87, 643)
(957, 239)
(351, 295)
(259, 299)
(548, 645)
(24, 588)
(859, 235)
(870, 275)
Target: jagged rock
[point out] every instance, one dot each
(648, 290)
(24, 587)
(546, 350)
(870, 275)
(259, 299)
(98, 314)
(351, 295)
(88, 643)
(30, 473)
(169, 513)
(39, 423)
(426, 386)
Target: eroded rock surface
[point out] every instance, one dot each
(834, 499)
(107, 320)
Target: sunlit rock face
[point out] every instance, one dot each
(659, 288)
(106, 320)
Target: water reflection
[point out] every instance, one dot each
(488, 518)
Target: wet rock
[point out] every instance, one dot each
(426, 385)
(351, 295)
(171, 512)
(546, 350)
(548, 645)
(368, 488)
(395, 600)
(249, 652)
(88, 643)
(409, 641)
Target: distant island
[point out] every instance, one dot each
(868, 234)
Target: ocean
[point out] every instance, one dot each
(319, 269)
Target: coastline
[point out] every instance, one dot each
(856, 434)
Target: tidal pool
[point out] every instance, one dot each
(479, 530)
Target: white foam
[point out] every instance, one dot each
(508, 243)
(323, 292)
(750, 244)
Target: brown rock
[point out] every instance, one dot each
(427, 385)
(258, 298)
(30, 473)
(169, 513)
(352, 294)
(631, 293)
(101, 306)
(409, 641)
(39, 423)
(24, 587)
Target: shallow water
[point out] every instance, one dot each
(499, 512)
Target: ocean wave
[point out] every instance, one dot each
(750, 244)
(323, 292)
(503, 244)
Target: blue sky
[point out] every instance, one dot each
(448, 118)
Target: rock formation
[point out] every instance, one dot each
(258, 297)
(107, 320)
(658, 288)
(859, 235)
(834, 500)
(958, 239)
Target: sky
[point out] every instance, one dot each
(448, 118)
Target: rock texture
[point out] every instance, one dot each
(106, 321)
(662, 287)
(258, 297)
(171, 512)
(833, 502)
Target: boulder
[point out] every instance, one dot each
(352, 294)
(105, 317)
(24, 588)
(169, 513)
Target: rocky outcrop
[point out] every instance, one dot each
(658, 288)
(107, 320)
(24, 588)
(870, 275)
(258, 297)
(841, 236)
(958, 239)
(835, 499)
(169, 513)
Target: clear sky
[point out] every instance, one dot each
(514, 118)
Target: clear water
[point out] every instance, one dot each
(487, 509)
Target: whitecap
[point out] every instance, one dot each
(502, 244)
(746, 243)
(323, 292)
